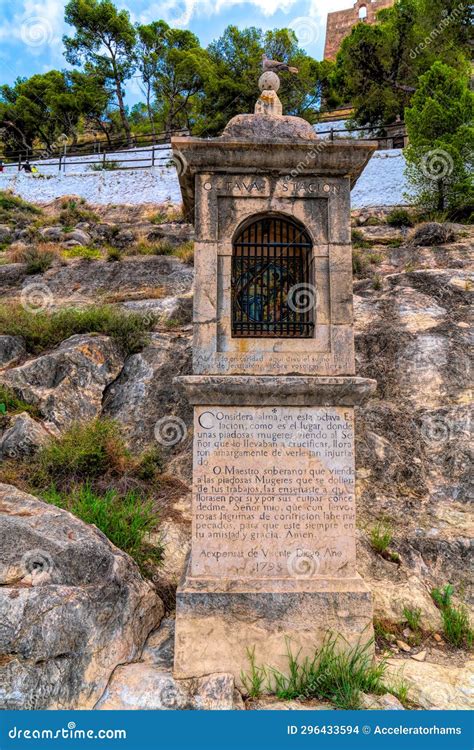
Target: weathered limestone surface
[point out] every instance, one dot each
(70, 380)
(149, 684)
(144, 391)
(12, 348)
(72, 607)
(437, 687)
(23, 437)
(142, 687)
(83, 282)
(271, 391)
(242, 620)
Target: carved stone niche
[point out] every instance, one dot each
(273, 168)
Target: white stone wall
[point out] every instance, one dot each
(382, 183)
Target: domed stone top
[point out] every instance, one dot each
(268, 128)
(269, 81)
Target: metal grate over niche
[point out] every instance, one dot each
(273, 292)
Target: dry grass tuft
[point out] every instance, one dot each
(185, 252)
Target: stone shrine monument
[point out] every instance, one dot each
(274, 389)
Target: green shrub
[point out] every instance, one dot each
(114, 254)
(377, 283)
(360, 265)
(412, 617)
(84, 452)
(338, 673)
(150, 464)
(456, 625)
(358, 239)
(107, 165)
(42, 330)
(10, 201)
(399, 217)
(159, 218)
(72, 212)
(164, 247)
(185, 252)
(381, 536)
(125, 519)
(255, 679)
(172, 215)
(82, 251)
(11, 403)
(154, 247)
(38, 261)
(372, 221)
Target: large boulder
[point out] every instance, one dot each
(83, 282)
(68, 383)
(142, 687)
(11, 276)
(382, 234)
(52, 234)
(6, 233)
(149, 683)
(72, 607)
(413, 439)
(436, 687)
(12, 348)
(77, 237)
(174, 233)
(23, 437)
(432, 233)
(144, 395)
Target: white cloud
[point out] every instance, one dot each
(181, 12)
(38, 25)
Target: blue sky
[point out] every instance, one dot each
(31, 30)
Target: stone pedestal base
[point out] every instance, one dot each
(273, 537)
(215, 629)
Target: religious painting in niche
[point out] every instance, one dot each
(272, 284)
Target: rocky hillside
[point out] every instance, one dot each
(95, 321)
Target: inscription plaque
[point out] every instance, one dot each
(273, 492)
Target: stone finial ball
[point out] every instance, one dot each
(269, 81)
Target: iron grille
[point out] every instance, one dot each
(272, 283)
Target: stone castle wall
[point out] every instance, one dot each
(340, 23)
